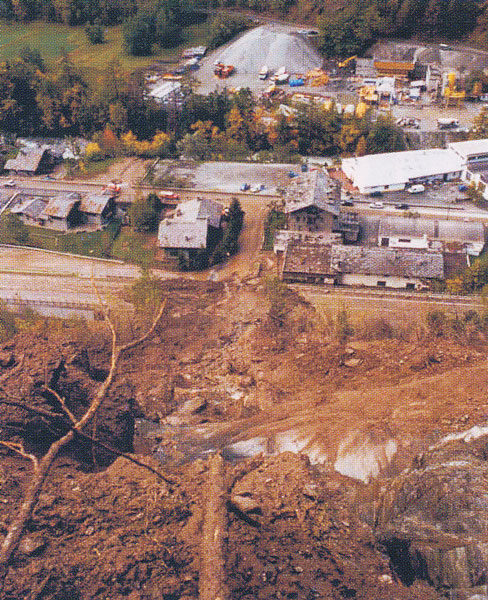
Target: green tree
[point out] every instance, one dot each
(385, 136)
(95, 33)
(139, 33)
(144, 213)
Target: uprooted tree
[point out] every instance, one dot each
(74, 424)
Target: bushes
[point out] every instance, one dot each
(144, 213)
(275, 220)
(95, 33)
(229, 244)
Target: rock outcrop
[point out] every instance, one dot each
(433, 518)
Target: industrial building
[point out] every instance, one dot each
(432, 234)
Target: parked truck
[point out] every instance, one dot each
(223, 71)
(447, 123)
(264, 72)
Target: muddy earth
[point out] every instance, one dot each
(340, 456)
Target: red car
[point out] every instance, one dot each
(167, 195)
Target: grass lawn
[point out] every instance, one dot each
(134, 247)
(52, 39)
(97, 243)
(93, 168)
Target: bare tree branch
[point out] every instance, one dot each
(19, 448)
(51, 415)
(41, 469)
(62, 402)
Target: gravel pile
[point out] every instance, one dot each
(265, 46)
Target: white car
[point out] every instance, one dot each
(376, 205)
(9, 183)
(416, 189)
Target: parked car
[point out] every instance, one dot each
(416, 189)
(49, 178)
(9, 183)
(376, 205)
(376, 194)
(245, 187)
(168, 195)
(347, 203)
(402, 206)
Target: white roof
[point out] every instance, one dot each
(470, 147)
(397, 168)
(164, 89)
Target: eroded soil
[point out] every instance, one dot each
(295, 527)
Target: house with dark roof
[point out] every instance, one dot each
(62, 213)
(97, 209)
(30, 162)
(312, 203)
(385, 267)
(307, 262)
(193, 225)
(30, 210)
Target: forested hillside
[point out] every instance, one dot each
(346, 27)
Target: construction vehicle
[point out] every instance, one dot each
(451, 93)
(223, 71)
(317, 77)
(344, 63)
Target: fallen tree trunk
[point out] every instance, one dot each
(212, 584)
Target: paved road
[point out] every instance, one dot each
(28, 275)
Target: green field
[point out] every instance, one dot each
(53, 39)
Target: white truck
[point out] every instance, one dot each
(447, 123)
(264, 72)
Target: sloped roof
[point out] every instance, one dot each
(387, 262)
(461, 231)
(30, 207)
(469, 147)
(26, 160)
(200, 208)
(443, 229)
(406, 227)
(310, 258)
(94, 204)
(313, 189)
(59, 208)
(178, 234)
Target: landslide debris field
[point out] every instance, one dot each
(315, 432)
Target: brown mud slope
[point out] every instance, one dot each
(216, 361)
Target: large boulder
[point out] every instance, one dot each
(433, 518)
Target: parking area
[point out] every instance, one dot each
(228, 176)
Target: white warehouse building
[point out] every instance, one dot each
(394, 171)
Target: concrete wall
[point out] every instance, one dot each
(372, 281)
